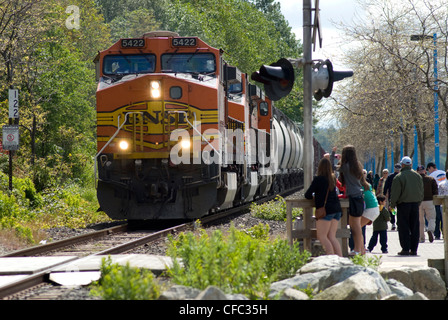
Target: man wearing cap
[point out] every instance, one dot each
(386, 191)
(406, 195)
(427, 209)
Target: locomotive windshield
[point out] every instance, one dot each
(129, 64)
(189, 62)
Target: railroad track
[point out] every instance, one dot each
(115, 240)
(108, 241)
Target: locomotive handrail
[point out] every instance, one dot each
(111, 138)
(194, 128)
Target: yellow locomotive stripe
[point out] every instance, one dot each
(149, 124)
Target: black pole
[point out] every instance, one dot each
(10, 162)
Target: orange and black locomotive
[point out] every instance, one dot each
(181, 134)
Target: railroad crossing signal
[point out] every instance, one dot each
(278, 78)
(324, 76)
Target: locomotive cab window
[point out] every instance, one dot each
(264, 108)
(128, 64)
(236, 88)
(189, 62)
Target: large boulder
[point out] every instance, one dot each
(178, 292)
(361, 286)
(331, 277)
(425, 280)
(326, 271)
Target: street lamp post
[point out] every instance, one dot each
(436, 107)
(415, 161)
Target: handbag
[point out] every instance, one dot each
(321, 212)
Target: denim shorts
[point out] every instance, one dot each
(331, 216)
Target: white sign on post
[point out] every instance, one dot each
(11, 137)
(13, 103)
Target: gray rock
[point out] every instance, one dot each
(177, 292)
(293, 294)
(425, 280)
(417, 296)
(212, 293)
(327, 271)
(399, 289)
(361, 286)
(322, 263)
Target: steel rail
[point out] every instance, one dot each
(66, 242)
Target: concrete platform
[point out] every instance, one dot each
(30, 265)
(426, 250)
(84, 271)
(156, 264)
(6, 280)
(78, 272)
(13, 269)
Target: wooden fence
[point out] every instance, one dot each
(307, 230)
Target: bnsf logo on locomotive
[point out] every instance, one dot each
(157, 117)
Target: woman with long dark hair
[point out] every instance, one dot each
(350, 175)
(323, 187)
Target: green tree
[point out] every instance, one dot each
(52, 67)
(133, 24)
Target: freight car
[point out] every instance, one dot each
(182, 134)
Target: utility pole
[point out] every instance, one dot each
(308, 150)
(307, 95)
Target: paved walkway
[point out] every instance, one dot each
(426, 250)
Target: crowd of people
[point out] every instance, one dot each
(403, 198)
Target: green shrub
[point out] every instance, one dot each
(27, 211)
(273, 210)
(237, 262)
(125, 283)
(367, 261)
(283, 261)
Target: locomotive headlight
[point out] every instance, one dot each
(156, 89)
(124, 145)
(185, 144)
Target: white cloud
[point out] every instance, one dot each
(331, 11)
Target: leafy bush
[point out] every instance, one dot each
(125, 283)
(27, 212)
(72, 207)
(273, 210)
(237, 262)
